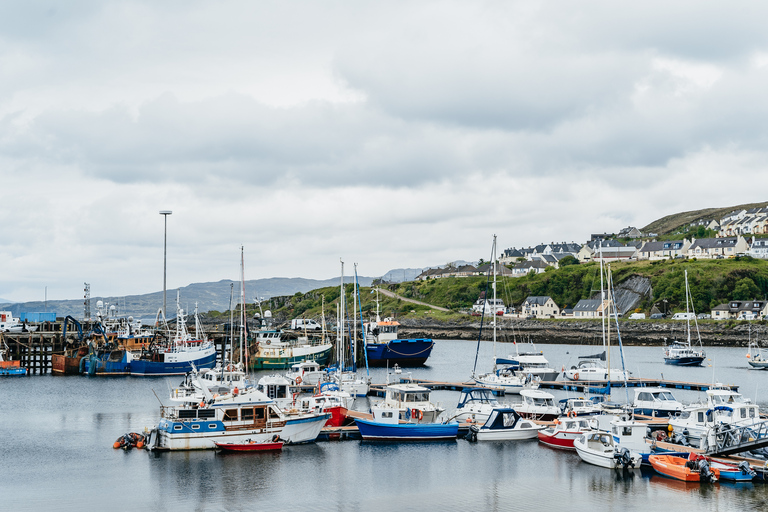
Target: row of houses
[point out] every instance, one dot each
(545, 307)
(520, 262)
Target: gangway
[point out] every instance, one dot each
(731, 439)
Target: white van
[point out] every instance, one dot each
(683, 316)
(637, 316)
(301, 324)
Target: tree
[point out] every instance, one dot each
(568, 260)
(745, 289)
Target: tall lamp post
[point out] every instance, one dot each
(165, 214)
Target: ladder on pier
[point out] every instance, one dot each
(731, 439)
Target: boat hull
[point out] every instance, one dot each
(674, 467)
(562, 439)
(403, 352)
(181, 364)
(377, 431)
(512, 434)
(274, 360)
(684, 361)
(182, 435)
(63, 365)
(12, 369)
(249, 447)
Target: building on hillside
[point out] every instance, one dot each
(539, 306)
(486, 269)
(663, 250)
(608, 254)
(629, 232)
(524, 267)
(759, 248)
(709, 248)
(589, 308)
(511, 256)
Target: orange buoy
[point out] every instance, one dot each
(576, 376)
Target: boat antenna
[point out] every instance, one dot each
(231, 329)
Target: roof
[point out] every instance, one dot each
(664, 245)
(537, 299)
(712, 243)
(587, 305)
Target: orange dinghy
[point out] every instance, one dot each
(683, 469)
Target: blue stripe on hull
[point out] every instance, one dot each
(150, 368)
(404, 352)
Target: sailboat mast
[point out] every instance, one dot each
(493, 262)
(242, 302)
(341, 320)
(608, 331)
(354, 320)
(687, 316)
(231, 325)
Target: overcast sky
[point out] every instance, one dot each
(391, 134)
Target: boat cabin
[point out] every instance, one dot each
(655, 402)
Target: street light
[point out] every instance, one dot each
(165, 214)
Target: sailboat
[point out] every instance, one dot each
(592, 368)
(501, 377)
(681, 353)
(348, 380)
(755, 357)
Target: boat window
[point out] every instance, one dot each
(751, 412)
(583, 424)
(646, 397)
(743, 412)
(258, 413)
(666, 395)
(195, 426)
(509, 420)
(570, 425)
(211, 425)
(273, 415)
(177, 427)
(230, 415)
(710, 415)
(701, 417)
(246, 414)
(387, 414)
(626, 431)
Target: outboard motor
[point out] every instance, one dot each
(705, 472)
(680, 439)
(624, 458)
(746, 469)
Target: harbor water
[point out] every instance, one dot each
(56, 436)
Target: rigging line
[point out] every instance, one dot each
(618, 336)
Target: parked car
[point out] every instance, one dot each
(637, 316)
(704, 316)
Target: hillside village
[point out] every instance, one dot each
(737, 234)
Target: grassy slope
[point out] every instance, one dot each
(671, 223)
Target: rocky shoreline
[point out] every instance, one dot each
(584, 332)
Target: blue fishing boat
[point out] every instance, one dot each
(682, 353)
(384, 348)
(10, 368)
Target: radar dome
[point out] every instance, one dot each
(267, 314)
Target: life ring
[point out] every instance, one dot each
(298, 380)
(576, 376)
(268, 342)
(421, 415)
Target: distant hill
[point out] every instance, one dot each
(399, 275)
(671, 223)
(208, 296)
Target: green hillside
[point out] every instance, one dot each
(712, 282)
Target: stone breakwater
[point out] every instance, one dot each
(585, 332)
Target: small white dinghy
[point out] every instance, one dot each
(599, 448)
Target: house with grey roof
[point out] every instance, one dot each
(709, 248)
(589, 308)
(629, 232)
(486, 269)
(664, 249)
(539, 306)
(741, 310)
(524, 267)
(759, 248)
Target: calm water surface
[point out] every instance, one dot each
(56, 436)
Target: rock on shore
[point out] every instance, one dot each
(582, 332)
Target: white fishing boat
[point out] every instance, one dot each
(504, 424)
(306, 373)
(537, 405)
(657, 402)
(572, 407)
(531, 362)
(598, 447)
(278, 388)
(475, 405)
(594, 370)
(409, 402)
(221, 379)
(236, 417)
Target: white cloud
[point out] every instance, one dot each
(395, 135)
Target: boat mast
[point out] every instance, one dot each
(353, 340)
(493, 262)
(687, 316)
(340, 342)
(231, 326)
(242, 303)
(608, 331)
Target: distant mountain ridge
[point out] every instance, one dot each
(208, 296)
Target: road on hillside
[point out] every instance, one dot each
(396, 296)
